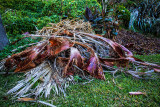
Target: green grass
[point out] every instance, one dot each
(155, 58)
(97, 93)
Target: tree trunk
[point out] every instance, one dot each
(3, 38)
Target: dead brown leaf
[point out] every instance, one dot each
(26, 99)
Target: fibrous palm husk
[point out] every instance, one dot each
(67, 50)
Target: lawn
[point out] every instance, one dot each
(96, 93)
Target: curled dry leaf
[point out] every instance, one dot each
(26, 99)
(66, 32)
(75, 58)
(88, 14)
(119, 62)
(35, 55)
(156, 70)
(93, 65)
(94, 68)
(60, 44)
(29, 58)
(137, 93)
(119, 49)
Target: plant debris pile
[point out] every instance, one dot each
(67, 50)
(101, 23)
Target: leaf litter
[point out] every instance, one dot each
(138, 43)
(70, 48)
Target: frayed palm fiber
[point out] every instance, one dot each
(70, 48)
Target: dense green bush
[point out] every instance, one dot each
(69, 8)
(43, 21)
(11, 3)
(17, 23)
(130, 3)
(30, 5)
(123, 14)
(21, 16)
(147, 19)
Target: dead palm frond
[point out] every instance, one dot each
(66, 50)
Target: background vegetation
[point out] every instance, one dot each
(20, 16)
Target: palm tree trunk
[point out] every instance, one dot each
(3, 38)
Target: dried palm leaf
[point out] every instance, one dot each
(50, 66)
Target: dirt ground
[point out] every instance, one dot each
(138, 43)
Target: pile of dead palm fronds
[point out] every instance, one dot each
(67, 50)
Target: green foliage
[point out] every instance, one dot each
(16, 22)
(21, 26)
(52, 8)
(21, 16)
(148, 19)
(131, 3)
(43, 21)
(77, 78)
(102, 23)
(123, 14)
(70, 8)
(10, 3)
(30, 5)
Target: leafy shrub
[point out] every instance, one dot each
(148, 17)
(123, 14)
(51, 8)
(101, 23)
(11, 3)
(43, 21)
(131, 3)
(30, 5)
(15, 23)
(68, 8)
(21, 16)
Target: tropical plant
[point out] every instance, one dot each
(101, 23)
(147, 17)
(122, 14)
